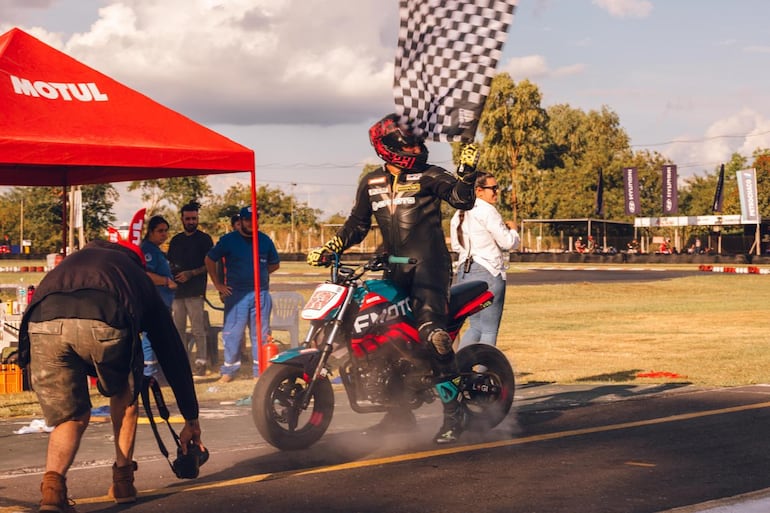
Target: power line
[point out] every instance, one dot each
(704, 139)
(333, 165)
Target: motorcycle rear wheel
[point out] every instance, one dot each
(277, 413)
(489, 366)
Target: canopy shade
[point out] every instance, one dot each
(63, 123)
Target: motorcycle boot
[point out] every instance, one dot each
(396, 420)
(454, 417)
(441, 342)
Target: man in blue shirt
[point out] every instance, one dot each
(238, 290)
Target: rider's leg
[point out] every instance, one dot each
(429, 292)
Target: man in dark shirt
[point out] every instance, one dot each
(186, 252)
(84, 320)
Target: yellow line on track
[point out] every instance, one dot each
(436, 452)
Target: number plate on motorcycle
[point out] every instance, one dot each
(325, 299)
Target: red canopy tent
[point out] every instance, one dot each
(63, 123)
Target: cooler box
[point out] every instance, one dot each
(11, 378)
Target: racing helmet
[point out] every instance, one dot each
(389, 141)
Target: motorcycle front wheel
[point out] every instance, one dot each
(488, 385)
(277, 412)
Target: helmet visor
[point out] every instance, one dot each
(399, 140)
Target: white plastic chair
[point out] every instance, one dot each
(285, 314)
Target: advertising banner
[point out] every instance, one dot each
(631, 191)
(599, 206)
(670, 196)
(717, 205)
(747, 189)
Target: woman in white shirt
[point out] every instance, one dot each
(480, 236)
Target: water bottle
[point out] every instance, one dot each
(22, 298)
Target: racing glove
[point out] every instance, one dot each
(469, 159)
(320, 256)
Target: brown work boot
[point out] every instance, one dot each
(53, 490)
(122, 490)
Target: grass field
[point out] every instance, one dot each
(709, 330)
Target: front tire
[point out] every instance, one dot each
(276, 410)
(487, 368)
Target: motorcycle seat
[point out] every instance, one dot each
(462, 293)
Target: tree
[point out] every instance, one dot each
(762, 165)
(580, 144)
(275, 211)
(513, 125)
(167, 195)
(42, 211)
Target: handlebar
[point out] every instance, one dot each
(401, 260)
(340, 272)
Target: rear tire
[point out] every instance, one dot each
(276, 412)
(486, 365)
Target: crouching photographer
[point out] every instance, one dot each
(84, 320)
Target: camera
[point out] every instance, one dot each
(187, 466)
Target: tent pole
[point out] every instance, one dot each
(64, 220)
(255, 254)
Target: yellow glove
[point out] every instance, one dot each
(320, 256)
(315, 257)
(469, 156)
(469, 159)
(334, 245)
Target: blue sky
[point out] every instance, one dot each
(300, 81)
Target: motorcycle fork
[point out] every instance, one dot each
(326, 350)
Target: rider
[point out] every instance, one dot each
(405, 197)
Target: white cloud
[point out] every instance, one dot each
(247, 61)
(625, 8)
(742, 133)
(535, 66)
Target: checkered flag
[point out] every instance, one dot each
(446, 58)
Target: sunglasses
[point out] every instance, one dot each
(494, 188)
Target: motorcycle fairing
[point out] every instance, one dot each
(380, 321)
(324, 302)
(297, 356)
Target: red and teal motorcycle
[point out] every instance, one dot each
(363, 329)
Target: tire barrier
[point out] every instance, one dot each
(751, 269)
(25, 269)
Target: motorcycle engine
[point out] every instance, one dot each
(383, 381)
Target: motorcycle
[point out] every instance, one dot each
(364, 327)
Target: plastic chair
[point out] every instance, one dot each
(285, 314)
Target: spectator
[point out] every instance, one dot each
(591, 245)
(84, 320)
(159, 272)
(235, 225)
(479, 236)
(580, 247)
(238, 291)
(186, 253)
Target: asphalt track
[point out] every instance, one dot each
(571, 449)
(607, 448)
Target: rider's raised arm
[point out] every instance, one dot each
(446, 186)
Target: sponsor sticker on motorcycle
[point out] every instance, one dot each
(324, 300)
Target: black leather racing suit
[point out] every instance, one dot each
(407, 210)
